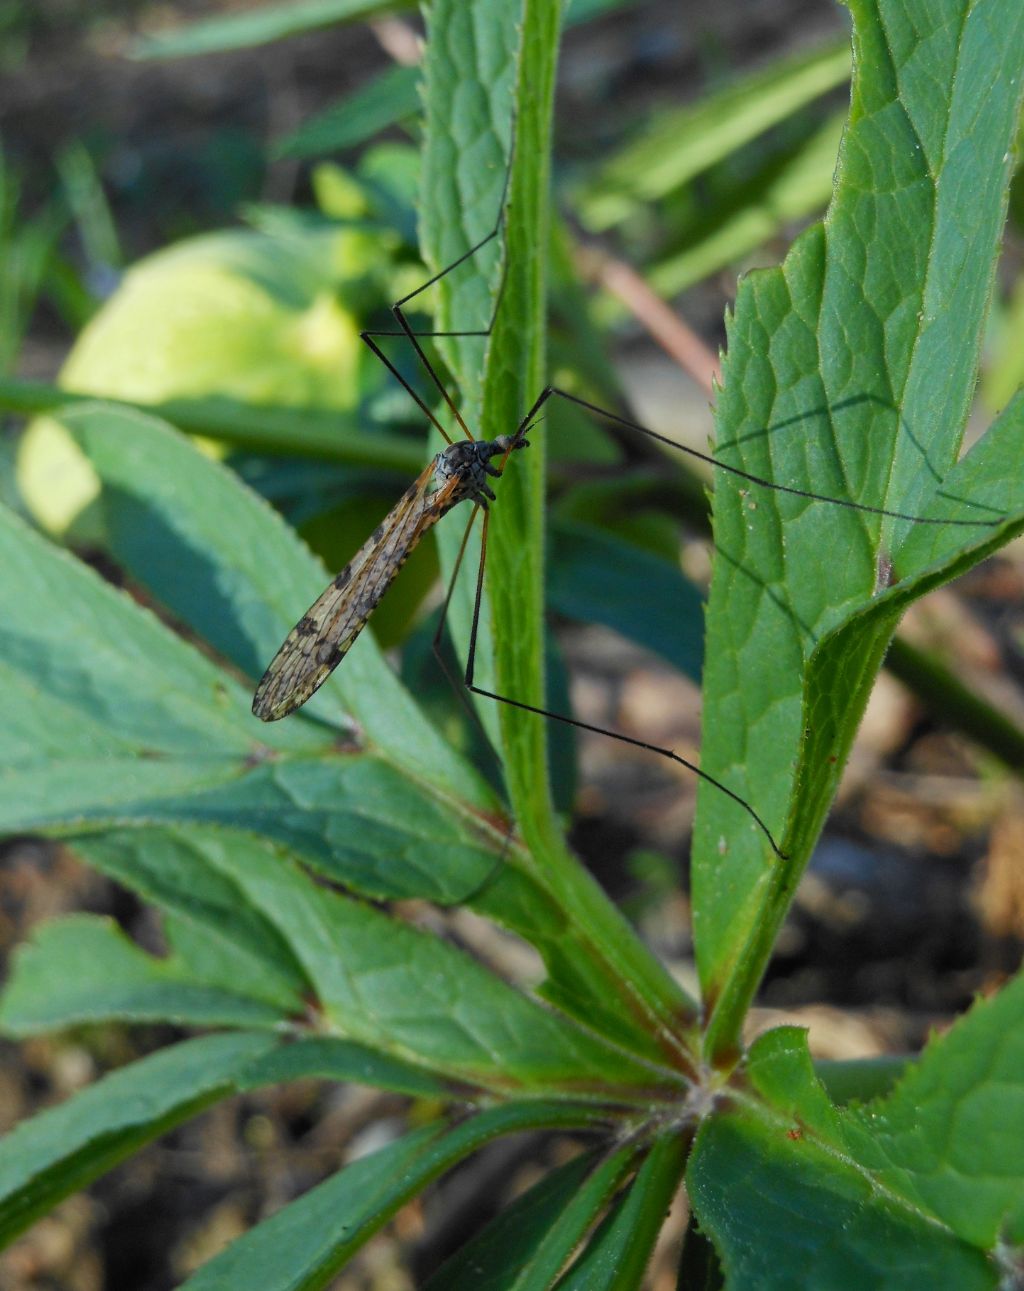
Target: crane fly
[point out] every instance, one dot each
(459, 472)
(322, 637)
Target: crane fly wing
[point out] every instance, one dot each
(322, 637)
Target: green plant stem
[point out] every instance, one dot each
(604, 935)
(609, 965)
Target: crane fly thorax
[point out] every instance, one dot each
(468, 463)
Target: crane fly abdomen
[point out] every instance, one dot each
(322, 637)
(324, 634)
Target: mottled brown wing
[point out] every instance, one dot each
(321, 638)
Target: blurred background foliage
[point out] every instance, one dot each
(202, 206)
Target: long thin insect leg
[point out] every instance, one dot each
(412, 335)
(460, 690)
(587, 726)
(435, 645)
(477, 602)
(524, 425)
(466, 255)
(408, 330)
(746, 475)
(552, 391)
(368, 338)
(405, 330)
(396, 308)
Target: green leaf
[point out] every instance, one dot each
(61, 1150)
(679, 144)
(618, 1254)
(987, 480)
(470, 71)
(389, 97)
(213, 929)
(260, 26)
(493, 1259)
(325, 1058)
(747, 218)
(245, 312)
(134, 738)
(476, 78)
(406, 993)
(84, 969)
(572, 1223)
(595, 577)
(780, 1069)
(786, 1214)
(850, 372)
(264, 316)
(89, 676)
(930, 1172)
(528, 1245)
(308, 1241)
(334, 436)
(947, 1139)
(355, 819)
(245, 923)
(470, 67)
(112, 717)
(225, 564)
